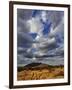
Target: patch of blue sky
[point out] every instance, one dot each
(35, 12)
(33, 35)
(47, 28)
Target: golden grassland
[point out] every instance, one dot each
(38, 73)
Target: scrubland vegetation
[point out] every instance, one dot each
(41, 71)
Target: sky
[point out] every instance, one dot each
(40, 36)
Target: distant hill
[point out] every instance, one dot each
(33, 64)
(37, 66)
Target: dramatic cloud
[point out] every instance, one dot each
(40, 33)
(24, 14)
(35, 25)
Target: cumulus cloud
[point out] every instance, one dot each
(51, 44)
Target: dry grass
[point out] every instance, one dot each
(38, 74)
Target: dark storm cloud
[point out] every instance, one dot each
(24, 40)
(59, 51)
(22, 27)
(22, 60)
(24, 14)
